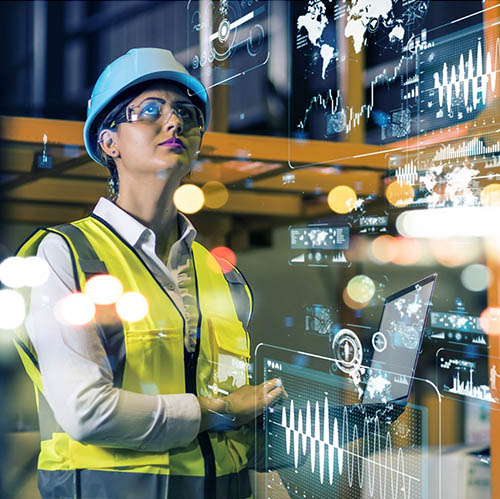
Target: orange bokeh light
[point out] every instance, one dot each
(453, 252)
(384, 248)
(489, 320)
(490, 195)
(399, 195)
(409, 251)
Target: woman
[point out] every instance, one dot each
(156, 407)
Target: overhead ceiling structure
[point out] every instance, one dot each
(254, 169)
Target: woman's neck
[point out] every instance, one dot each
(152, 204)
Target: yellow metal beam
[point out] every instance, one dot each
(215, 144)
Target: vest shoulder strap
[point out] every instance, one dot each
(89, 262)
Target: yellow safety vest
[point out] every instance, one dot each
(149, 352)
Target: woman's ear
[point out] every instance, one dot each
(107, 142)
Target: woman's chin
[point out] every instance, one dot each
(180, 169)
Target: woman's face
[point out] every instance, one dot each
(149, 146)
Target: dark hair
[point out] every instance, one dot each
(113, 114)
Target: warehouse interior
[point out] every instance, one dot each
(270, 167)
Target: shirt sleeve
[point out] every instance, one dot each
(77, 377)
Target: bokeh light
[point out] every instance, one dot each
(475, 277)
(409, 251)
(361, 289)
(12, 309)
(223, 255)
(489, 320)
(350, 302)
(454, 252)
(132, 307)
(442, 223)
(490, 195)
(12, 272)
(104, 289)
(76, 309)
(189, 198)
(359, 247)
(384, 249)
(399, 194)
(36, 271)
(342, 199)
(216, 194)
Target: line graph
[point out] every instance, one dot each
(333, 447)
(332, 101)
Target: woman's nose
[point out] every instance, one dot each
(174, 124)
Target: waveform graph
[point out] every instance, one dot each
(325, 446)
(458, 79)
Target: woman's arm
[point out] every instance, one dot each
(78, 381)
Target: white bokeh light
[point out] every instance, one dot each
(104, 289)
(12, 272)
(36, 271)
(12, 309)
(440, 223)
(76, 309)
(475, 277)
(132, 307)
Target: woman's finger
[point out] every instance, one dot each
(272, 384)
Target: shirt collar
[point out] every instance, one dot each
(131, 229)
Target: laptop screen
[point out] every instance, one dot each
(397, 343)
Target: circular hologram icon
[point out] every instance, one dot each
(379, 341)
(224, 30)
(347, 351)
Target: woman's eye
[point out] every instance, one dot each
(185, 112)
(151, 110)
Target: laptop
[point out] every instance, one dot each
(396, 350)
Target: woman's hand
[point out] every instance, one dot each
(243, 405)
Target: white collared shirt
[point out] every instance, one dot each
(175, 273)
(76, 374)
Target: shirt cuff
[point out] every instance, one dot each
(183, 419)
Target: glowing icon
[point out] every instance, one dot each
(348, 353)
(379, 341)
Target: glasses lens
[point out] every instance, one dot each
(191, 116)
(151, 110)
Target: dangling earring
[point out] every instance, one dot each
(196, 154)
(111, 189)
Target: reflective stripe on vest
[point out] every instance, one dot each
(86, 484)
(152, 354)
